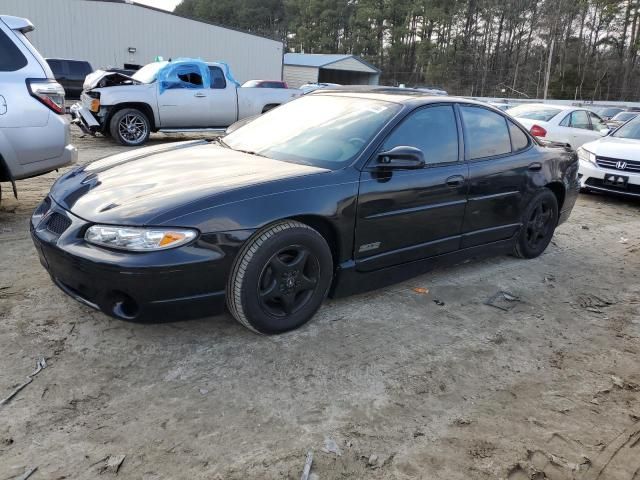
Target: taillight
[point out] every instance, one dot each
(48, 92)
(538, 131)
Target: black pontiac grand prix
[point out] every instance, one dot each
(333, 193)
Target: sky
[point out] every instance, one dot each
(164, 4)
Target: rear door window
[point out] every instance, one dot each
(519, 140)
(597, 123)
(217, 78)
(57, 67)
(79, 69)
(579, 119)
(11, 58)
(486, 133)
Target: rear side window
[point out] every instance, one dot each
(486, 133)
(519, 141)
(217, 78)
(433, 130)
(577, 119)
(11, 58)
(57, 67)
(79, 69)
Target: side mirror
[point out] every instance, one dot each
(400, 158)
(605, 131)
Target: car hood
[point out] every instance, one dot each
(104, 78)
(135, 187)
(615, 147)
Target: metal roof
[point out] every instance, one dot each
(320, 60)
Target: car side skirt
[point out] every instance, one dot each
(349, 281)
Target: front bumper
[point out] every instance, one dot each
(184, 282)
(592, 178)
(82, 117)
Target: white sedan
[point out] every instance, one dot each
(558, 123)
(612, 164)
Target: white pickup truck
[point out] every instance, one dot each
(183, 95)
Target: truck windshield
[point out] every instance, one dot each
(148, 73)
(319, 130)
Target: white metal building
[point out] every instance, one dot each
(109, 33)
(301, 68)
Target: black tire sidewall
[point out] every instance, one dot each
(523, 247)
(115, 132)
(261, 320)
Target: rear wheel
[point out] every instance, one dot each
(280, 278)
(130, 127)
(539, 222)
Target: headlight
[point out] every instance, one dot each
(138, 239)
(586, 155)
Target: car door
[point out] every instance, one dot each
(500, 158)
(223, 101)
(578, 128)
(183, 99)
(406, 215)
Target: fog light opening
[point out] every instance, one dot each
(124, 306)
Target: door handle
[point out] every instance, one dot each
(455, 181)
(535, 166)
(200, 95)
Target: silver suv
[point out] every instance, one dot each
(34, 132)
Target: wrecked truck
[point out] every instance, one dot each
(169, 96)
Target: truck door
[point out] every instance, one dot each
(223, 99)
(183, 100)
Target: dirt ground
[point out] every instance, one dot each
(422, 380)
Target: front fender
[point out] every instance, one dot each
(330, 199)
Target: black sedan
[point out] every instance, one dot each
(334, 193)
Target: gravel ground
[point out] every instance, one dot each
(418, 381)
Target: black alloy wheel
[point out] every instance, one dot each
(280, 277)
(288, 280)
(539, 222)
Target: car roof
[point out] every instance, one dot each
(409, 96)
(553, 105)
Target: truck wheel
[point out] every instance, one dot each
(539, 221)
(130, 127)
(280, 278)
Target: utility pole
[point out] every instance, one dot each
(546, 79)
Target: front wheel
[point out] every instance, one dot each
(280, 278)
(130, 127)
(539, 222)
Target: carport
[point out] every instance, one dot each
(301, 68)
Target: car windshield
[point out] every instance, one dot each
(319, 130)
(251, 84)
(534, 112)
(624, 116)
(631, 129)
(149, 73)
(609, 112)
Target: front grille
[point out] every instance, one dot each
(57, 223)
(598, 183)
(612, 163)
(44, 207)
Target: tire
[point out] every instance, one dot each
(130, 127)
(280, 278)
(539, 222)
